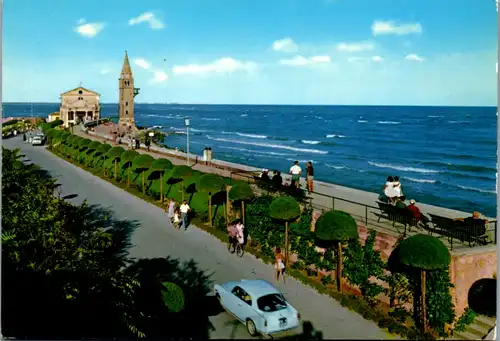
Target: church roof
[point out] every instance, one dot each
(126, 65)
(80, 88)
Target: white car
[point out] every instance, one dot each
(259, 305)
(37, 140)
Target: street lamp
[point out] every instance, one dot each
(186, 123)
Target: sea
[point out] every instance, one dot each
(445, 156)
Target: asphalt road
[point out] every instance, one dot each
(157, 238)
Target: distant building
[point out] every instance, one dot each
(127, 94)
(79, 105)
(54, 116)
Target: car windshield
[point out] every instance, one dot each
(272, 302)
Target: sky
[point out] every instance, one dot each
(346, 52)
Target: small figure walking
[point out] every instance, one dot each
(170, 208)
(310, 177)
(137, 144)
(184, 214)
(177, 218)
(295, 170)
(148, 143)
(280, 265)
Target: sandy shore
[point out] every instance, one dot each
(360, 204)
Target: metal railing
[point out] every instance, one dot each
(394, 222)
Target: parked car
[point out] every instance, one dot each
(38, 140)
(258, 305)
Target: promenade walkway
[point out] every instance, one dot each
(360, 204)
(157, 238)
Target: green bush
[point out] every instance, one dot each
(423, 251)
(335, 226)
(240, 192)
(284, 208)
(173, 297)
(210, 183)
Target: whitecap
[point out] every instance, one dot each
(402, 168)
(362, 121)
(300, 161)
(210, 119)
(310, 142)
(255, 136)
(335, 166)
(199, 130)
(243, 115)
(477, 189)
(435, 116)
(269, 145)
(329, 136)
(388, 122)
(425, 181)
(256, 151)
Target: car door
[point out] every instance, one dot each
(243, 305)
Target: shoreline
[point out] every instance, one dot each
(328, 190)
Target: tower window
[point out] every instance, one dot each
(126, 112)
(126, 103)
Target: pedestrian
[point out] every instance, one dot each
(184, 213)
(241, 233)
(24, 137)
(137, 144)
(280, 265)
(295, 170)
(177, 219)
(170, 208)
(148, 143)
(130, 143)
(310, 177)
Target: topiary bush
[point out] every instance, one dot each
(336, 227)
(241, 192)
(182, 173)
(426, 253)
(126, 162)
(211, 184)
(141, 164)
(100, 153)
(285, 209)
(159, 167)
(114, 155)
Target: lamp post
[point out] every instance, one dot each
(186, 123)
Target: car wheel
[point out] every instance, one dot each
(251, 328)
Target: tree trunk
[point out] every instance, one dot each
(243, 211)
(423, 307)
(210, 209)
(143, 188)
(286, 244)
(128, 176)
(182, 189)
(161, 187)
(116, 170)
(339, 267)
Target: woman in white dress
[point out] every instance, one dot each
(397, 188)
(241, 234)
(389, 188)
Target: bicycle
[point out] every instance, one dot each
(237, 247)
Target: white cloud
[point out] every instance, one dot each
(222, 65)
(285, 45)
(377, 58)
(142, 63)
(356, 47)
(88, 30)
(147, 17)
(414, 58)
(303, 61)
(104, 71)
(159, 76)
(390, 27)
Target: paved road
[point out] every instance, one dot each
(156, 238)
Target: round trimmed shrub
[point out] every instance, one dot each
(284, 208)
(182, 172)
(211, 183)
(241, 192)
(161, 164)
(103, 149)
(143, 161)
(173, 297)
(93, 145)
(424, 252)
(115, 153)
(84, 143)
(128, 156)
(336, 226)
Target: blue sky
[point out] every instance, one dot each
(366, 52)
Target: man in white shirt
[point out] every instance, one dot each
(184, 213)
(295, 170)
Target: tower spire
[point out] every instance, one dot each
(126, 65)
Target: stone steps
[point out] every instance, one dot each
(477, 330)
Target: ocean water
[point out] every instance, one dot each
(445, 156)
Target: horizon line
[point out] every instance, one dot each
(295, 105)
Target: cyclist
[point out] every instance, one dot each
(241, 234)
(232, 232)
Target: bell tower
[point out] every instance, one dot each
(127, 94)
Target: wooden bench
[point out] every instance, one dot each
(469, 230)
(397, 215)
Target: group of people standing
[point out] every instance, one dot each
(178, 215)
(236, 234)
(295, 172)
